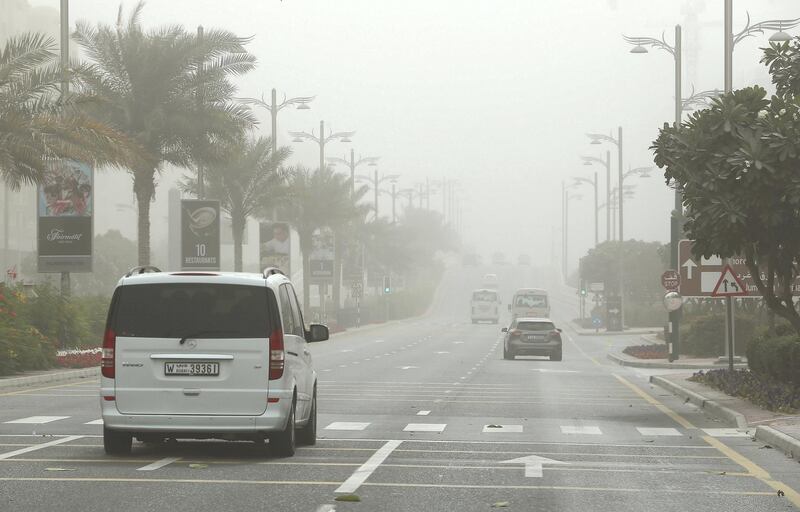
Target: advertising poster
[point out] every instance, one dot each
(65, 208)
(322, 255)
(200, 232)
(275, 246)
(352, 262)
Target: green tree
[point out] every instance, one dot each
(148, 84)
(318, 199)
(37, 123)
(643, 263)
(737, 163)
(245, 180)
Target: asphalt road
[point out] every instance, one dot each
(419, 415)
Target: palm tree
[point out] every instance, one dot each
(38, 123)
(149, 83)
(319, 199)
(246, 178)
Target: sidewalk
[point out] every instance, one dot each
(56, 376)
(623, 359)
(776, 430)
(627, 332)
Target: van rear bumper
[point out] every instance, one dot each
(272, 420)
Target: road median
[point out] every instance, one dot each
(48, 377)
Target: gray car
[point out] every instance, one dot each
(529, 336)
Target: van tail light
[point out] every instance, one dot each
(277, 356)
(555, 335)
(107, 361)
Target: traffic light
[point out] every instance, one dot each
(387, 285)
(583, 288)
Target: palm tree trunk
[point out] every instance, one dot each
(144, 188)
(238, 224)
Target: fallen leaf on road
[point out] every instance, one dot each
(198, 466)
(494, 426)
(347, 497)
(500, 504)
(768, 447)
(60, 469)
(781, 493)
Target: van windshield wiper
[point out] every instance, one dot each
(201, 333)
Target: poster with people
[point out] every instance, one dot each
(275, 246)
(322, 254)
(65, 207)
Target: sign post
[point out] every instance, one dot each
(728, 286)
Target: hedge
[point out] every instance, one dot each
(704, 336)
(776, 357)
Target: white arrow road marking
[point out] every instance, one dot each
(533, 464)
(361, 474)
(689, 265)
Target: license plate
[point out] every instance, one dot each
(192, 369)
(534, 338)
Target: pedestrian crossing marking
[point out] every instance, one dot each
(589, 430)
(37, 420)
(425, 427)
(347, 425)
(423, 413)
(647, 431)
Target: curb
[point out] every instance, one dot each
(712, 407)
(49, 378)
(623, 361)
(778, 439)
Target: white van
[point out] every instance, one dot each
(530, 302)
(207, 355)
(485, 306)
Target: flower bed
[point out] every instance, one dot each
(78, 358)
(765, 392)
(647, 351)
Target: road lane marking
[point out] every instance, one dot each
(725, 432)
(586, 430)
(515, 429)
(425, 427)
(647, 431)
(754, 469)
(159, 464)
(362, 473)
(8, 455)
(37, 420)
(347, 425)
(23, 391)
(94, 422)
(326, 508)
(407, 367)
(423, 413)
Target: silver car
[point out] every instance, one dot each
(531, 336)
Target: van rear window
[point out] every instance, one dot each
(191, 309)
(530, 301)
(484, 296)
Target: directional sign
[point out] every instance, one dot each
(533, 464)
(699, 276)
(729, 284)
(671, 280)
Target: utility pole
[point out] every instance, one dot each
(394, 201)
(608, 195)
(621, 236)
(66, 284)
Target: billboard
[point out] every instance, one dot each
(321, 259)
(275, 246)
(352, 262)
(65, 205)
(200, 231)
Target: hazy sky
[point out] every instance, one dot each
(497, 94)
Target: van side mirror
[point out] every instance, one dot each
(504, 329)
(317, 332)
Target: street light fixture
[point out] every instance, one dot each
(321, 140)
(372, 161)
(274, 107)
(589, 160)
(375, 183)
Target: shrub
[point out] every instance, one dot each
(56, 317)
(647, 351)
(705, 335)
(760, 389)
(644, 314)
(776, 357)
(22, 347)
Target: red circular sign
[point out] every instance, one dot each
(671, 280)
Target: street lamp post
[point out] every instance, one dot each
(565, 199)
(274, 107)
(321, 140)
(375, 182)
(588, 160)
(593, 183)
(353, 165)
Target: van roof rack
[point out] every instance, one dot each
(144, 269)
(271, 271)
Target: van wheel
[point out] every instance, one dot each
(117, 443)
(284, 442)
(308, 434)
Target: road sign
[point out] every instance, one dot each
(597, 287)
(671, 280)
(533, 464)
(699, 276)
(729, 284)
